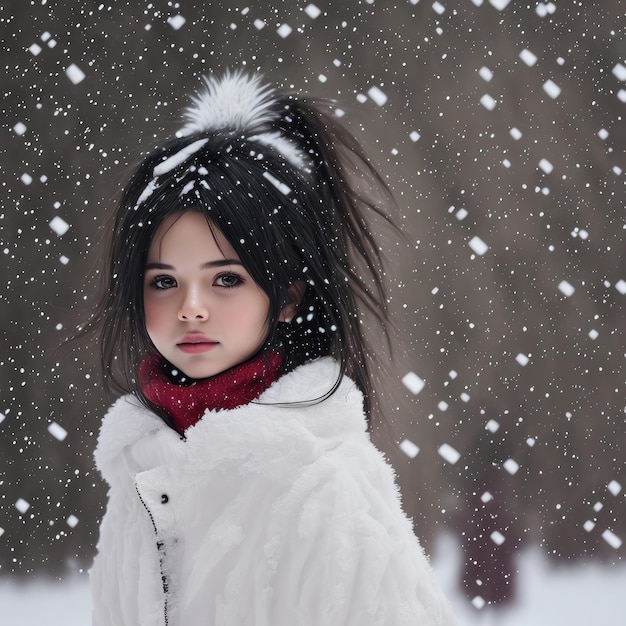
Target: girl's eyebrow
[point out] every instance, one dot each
(207, 265)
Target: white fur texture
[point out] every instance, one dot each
(265, 515)
(239, 102)
(236, 101)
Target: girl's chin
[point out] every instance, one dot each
(198, 371)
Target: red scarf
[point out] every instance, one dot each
(186, 403)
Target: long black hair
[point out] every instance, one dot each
(289, 188)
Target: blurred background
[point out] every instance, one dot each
(499, 125)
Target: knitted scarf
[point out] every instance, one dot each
(185, 400)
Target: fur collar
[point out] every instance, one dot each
(277, 425)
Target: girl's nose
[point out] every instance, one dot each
(193, 307)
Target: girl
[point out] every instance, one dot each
(244, 489)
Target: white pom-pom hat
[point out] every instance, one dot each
(240, 103)
(235, 101)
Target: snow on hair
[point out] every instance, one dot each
(284, 147)
(239, 102)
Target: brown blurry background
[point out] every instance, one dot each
(516, 366)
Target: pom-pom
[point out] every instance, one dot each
(236, 101)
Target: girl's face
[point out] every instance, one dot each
(203, 311)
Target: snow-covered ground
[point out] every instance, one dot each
(575, 595)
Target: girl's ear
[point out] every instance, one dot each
(295, 293)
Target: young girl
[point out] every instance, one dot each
(244, 489)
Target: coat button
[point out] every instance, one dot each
(164, 499)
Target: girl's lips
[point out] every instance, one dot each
(196, 347)
(195, 343)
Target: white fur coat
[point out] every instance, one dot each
(263, 516)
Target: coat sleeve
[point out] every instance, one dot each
(354, 558)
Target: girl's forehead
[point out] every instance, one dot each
(187, 229)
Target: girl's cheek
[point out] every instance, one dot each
(154, 315)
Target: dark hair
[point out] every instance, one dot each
(287, 222)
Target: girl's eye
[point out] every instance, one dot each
(229, 280)
(162, 282)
